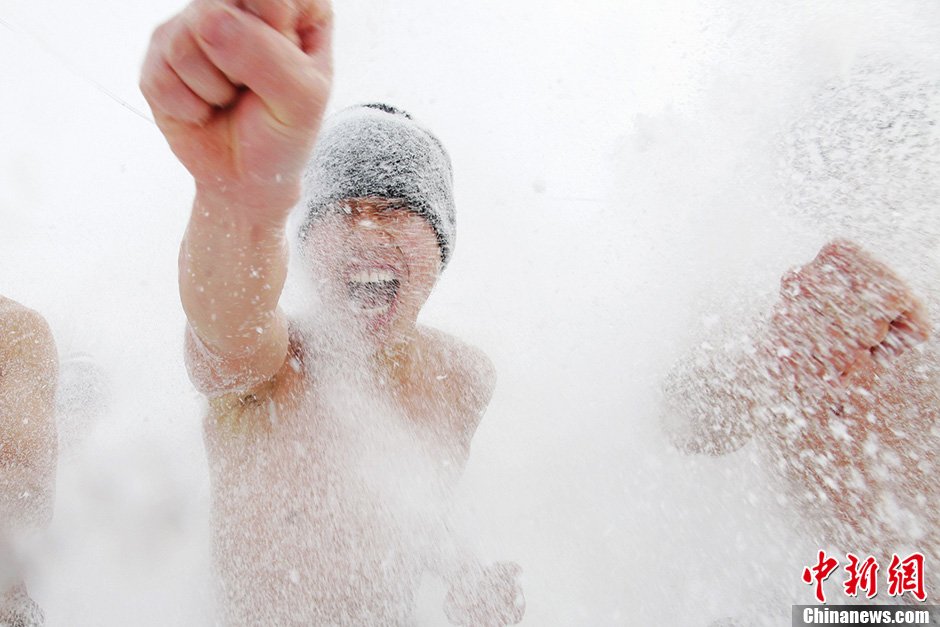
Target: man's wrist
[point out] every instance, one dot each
(258, 204)
(215, 210)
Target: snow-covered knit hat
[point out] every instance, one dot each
(376, 150)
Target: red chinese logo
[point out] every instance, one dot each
(862, 575)
(819, 573)
(903, 575)
(907, 575)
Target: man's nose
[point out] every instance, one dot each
(371, 233)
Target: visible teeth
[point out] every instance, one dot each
(372, 276)
(372, 291)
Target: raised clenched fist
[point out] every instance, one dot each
(238, 90)
(843, 316)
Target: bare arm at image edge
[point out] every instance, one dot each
(28, 449)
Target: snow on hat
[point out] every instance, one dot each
(376, 150)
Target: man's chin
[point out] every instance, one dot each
(374, 321)
(390, 335)
(372, 329)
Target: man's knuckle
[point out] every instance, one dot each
(200, 111)
(309, 93)
(160, 33)
(159, 98)
(179, 52)
(305, 85)
(148, 91)
(790, 282)
(842, 247)
(161, 82)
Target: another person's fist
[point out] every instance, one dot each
(239, 90)
(18, 610)
(488, 597)
(843, 315)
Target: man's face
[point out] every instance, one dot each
(377, 263)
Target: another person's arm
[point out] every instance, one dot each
(838, 320)
(239, 95)
(478, 593)
(28, 366)
(28, 448)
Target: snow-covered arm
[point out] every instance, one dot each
(838, 320)
(239, 94)
(28, 450)
(478, 593)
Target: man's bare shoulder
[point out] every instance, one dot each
(458, 358)
(464, 372)
(23, 329)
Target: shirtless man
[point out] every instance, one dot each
(841, 390)
(28, 365)
(335, 437)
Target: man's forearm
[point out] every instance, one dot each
(232, 269)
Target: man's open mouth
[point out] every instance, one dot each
(373, 290)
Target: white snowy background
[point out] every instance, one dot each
(618, 186)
